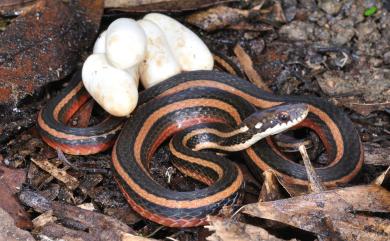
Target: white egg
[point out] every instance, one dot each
(190, 51)
(125, 43)
(115, 90)
(134, 72)
(160, 63)
(100, 44)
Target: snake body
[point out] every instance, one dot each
(197, 101)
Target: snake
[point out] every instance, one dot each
(201, 115)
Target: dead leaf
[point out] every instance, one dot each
(161, 5)
(247, 65)
(228, 230)
(270, 190)
(15, 7)
(9, 232)
(217, 18)
(337, 208)
(255, 27)
(7, 3)
(364, 108)
(60, 174)
(292, 189)
(43, 219)
(44, 45)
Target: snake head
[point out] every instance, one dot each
(276, 119)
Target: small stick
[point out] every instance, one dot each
(316, 186)
(63, 158)
(315, 182)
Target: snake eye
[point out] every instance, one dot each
(284, 116)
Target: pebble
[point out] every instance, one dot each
(375, 62)
(368, 30)
(290, 9)
(343, 32)
(322, 34)
(342, 38)
(386, 58)
(297, 31)
(310, 5)
(331, 7)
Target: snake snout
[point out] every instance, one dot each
(277, 118)
(297, 112)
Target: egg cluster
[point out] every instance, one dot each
(149, 50)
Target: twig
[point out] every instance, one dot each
(62, 157)
(315, 182)
(65, 160)
(154, 232)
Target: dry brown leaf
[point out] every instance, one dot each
(270, 190)
(223, 17)
(360, 227)
(43, 219)
(15, 7)
(247, 65)
(7, 3)
(38, 177)
(292, 189)
(161, 5)
(60, 174)
(364, 108)
(255, 27)
(217, 18)
(227, 230)
(337, 208)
